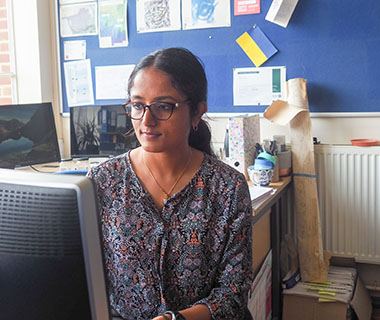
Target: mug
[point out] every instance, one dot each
(260, 177)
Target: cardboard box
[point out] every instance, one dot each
(300, 302)
(260, 294)
(244, 133)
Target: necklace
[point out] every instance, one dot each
(168, 194)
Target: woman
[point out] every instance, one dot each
(175, 220)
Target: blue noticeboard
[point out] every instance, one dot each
(334, 44)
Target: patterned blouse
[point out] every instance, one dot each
(197, 250)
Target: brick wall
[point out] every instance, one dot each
(5, 66)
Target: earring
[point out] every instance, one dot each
(195, 127)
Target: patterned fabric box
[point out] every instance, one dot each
(244, 133)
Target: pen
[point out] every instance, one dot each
(258, 148)
(326, 300)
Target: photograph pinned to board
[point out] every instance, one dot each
(242, 7)
(79, 19)
(78, 81)
(258, 86)
(158, 15)
(199, 14)
(256, 45)
(281, 11)
(113, 30)
(111, 82)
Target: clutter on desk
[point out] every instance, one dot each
(265, 167)
(261, 172)
(82, 164)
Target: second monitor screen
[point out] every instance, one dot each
(100, 131)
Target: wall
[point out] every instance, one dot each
(328, 130)
(333, 44)
(5, 83)
(27, 50)
(34, 36)
(39, 81)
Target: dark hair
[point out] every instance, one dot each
(188, 77)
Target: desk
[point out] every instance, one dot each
(71, 165)
(280, 208)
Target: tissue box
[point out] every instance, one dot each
(244, 133)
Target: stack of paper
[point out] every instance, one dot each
(259, 195)
(339, 286)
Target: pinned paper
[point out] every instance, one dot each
(256, 45)
(246, 7)
(281, 11)
(74, 50)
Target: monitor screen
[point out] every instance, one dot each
(51, 256)
(100, 131)
(27, 135)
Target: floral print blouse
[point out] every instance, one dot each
(197, 250)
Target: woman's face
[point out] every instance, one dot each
(152, 85)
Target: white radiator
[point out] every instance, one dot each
(348, 180)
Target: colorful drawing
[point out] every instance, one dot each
(203, 10)
(198, 14)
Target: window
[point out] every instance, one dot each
(7, 66)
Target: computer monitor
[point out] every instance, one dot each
(100, 131)
(51, 257)
(27, 135)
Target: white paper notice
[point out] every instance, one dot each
(71, 1)
(259, 86)
(112, 81)
(74, 50)
(206, 14)
(281, 11)
(78, 82)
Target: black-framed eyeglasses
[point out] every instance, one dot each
(159, 110)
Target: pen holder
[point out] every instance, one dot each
(276, 173)
(285, 163)
(261, 177)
